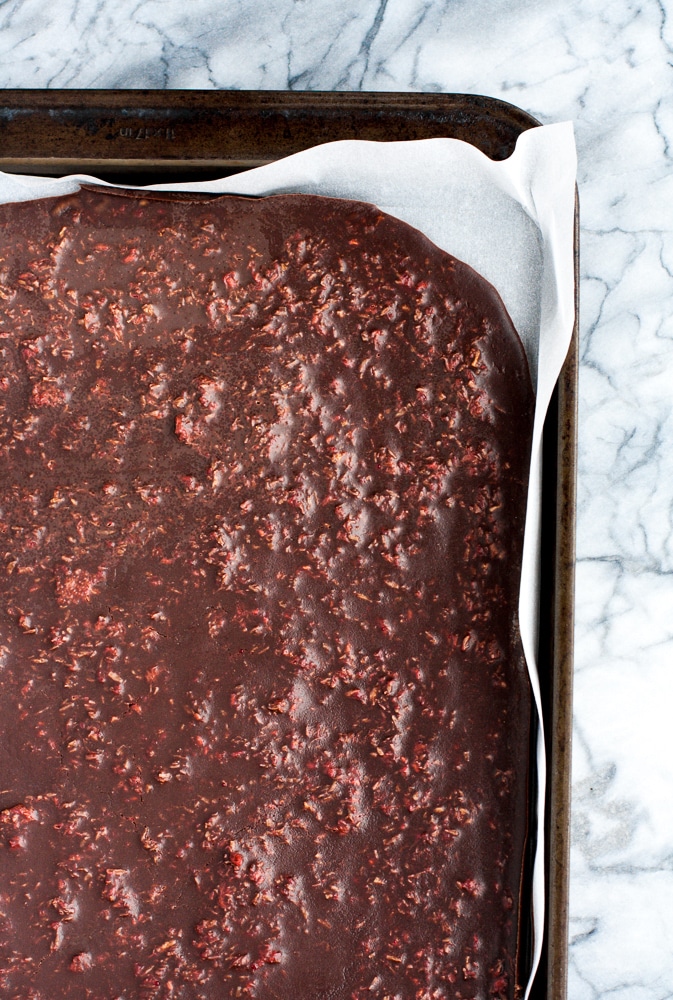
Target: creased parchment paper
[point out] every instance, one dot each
(511, 220)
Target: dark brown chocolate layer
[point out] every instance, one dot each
(264, 706)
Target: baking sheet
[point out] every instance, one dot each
(512, 220)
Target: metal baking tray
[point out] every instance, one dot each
(148, 136)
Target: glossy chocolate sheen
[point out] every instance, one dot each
(265, 710)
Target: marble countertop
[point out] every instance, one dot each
(608, 68)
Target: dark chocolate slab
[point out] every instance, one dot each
(262, 497)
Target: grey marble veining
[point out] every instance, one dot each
(607, 67)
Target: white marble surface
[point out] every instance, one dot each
(608, 67)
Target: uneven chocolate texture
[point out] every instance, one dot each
(265, 714)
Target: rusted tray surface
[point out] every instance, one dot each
(143, 136)
(192, 132)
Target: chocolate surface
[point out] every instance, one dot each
(264, 706)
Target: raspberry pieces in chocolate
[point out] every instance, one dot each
(265, 710)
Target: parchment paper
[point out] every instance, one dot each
(511, 220)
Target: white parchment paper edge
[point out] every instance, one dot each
(512, 220)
